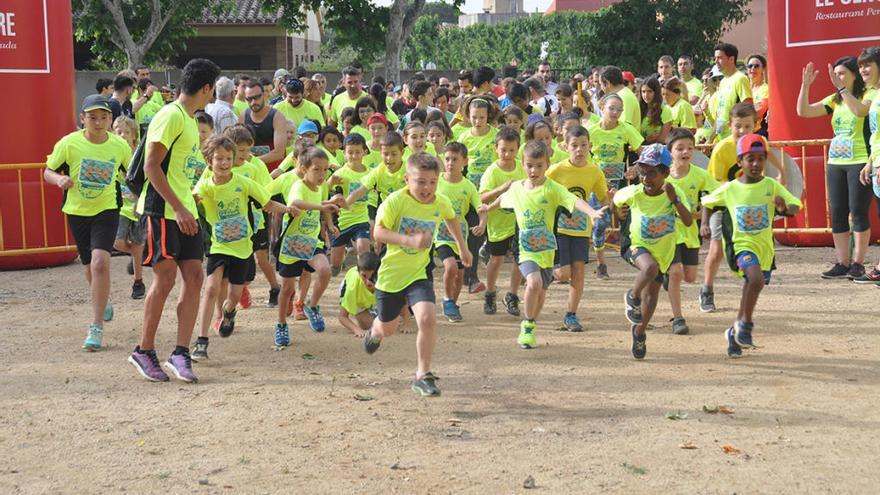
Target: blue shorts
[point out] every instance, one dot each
(635, 252)
(352, 234)
(745, 259)
(570, 249)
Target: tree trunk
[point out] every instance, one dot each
(402, 18)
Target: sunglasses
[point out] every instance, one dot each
(754, 66)
(253, 98)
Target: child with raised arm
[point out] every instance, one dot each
(357, 294)
(464, 198)
(654, 205)
(535, 200)
(407, 222)
(751, 201)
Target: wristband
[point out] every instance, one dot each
(784, 213)
(842, 91)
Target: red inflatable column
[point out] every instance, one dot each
(36, 74)
(818, 31)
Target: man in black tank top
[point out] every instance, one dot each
(268, 125)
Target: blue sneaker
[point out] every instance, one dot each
(282, 337)
(639, 348)
(733, 349)
(571, 323)
(93, 339)
(451, 311)
(316, 319)
(108, 311)
(742, 333)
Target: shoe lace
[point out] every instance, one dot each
(95, 331)
(154, 359)
(281, 331)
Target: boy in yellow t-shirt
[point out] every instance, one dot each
(354, 224)
(357, 294)
(751, 202)
(501, 226)
(582, 178)
(654, 205)
(86, 165)
(227, 198)
(407, 222)
(535, 201)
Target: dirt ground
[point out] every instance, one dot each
(576, 415)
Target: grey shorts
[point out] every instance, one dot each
(130, 230)
(389, 304)
(715, 221)
(527, 267)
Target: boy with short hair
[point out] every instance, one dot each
(535, 201)
(654, 205)
(357, 294)
(86, 164)
(406, 222)
(751, 201)
(389, 176)
(354, 222)
(463, 195)
(581, 177)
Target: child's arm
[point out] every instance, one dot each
(490, 196)
(589, 210)
(56, 179)
(345, 320)
(323, 207)
(784, 209)
(355, 195)
(328, 223)
(455, 229)
(684, 213)
(387, 236)
(495, 204)
(482, 213)
(705, 229)
(276, 207)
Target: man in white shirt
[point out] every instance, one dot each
(221, 109)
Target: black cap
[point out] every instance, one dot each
(96, 102)
(295, 86)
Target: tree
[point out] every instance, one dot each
(140, 31)
(445, 12)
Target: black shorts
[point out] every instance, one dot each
(686, 256)
(634, 252)
(571, 248)
(261, 239)
(294, 270)
(95, 232)
(390, 304)
(500, 248)
(445, 251)
(234, 269)
(165, 241)
(352, 234)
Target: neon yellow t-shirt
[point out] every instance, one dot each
(608, 147)
(751, 208)
(359, 129)
(458, 130)
(226, 210)
(305, 111)
(695, 87)
(481, 152)
(535, 211)
(185, 165)
(384, 181)
(632, 112)
(371, 161)
(351, 181)
(302, 236)
(501, 223)
(665, 118)
(580, 181)
(354, 296)
(429, 149)
(340, 103)
(402, 213)
(683, 115)
(282, 185)
(463, 196)
(95, 169)
(145, 115)
(733, 89)
(156, 99)
(653, 224)
(851, 136)
(695, 182)
(239, 106)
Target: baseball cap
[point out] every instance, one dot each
(533, 117)
(750, 143)
(629, 76)
(96, 102)
(280, 74)
(716, 72)
(376, 118)
(295, 86)
(655, 155)
(305, 127)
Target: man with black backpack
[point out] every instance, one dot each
(169, 216)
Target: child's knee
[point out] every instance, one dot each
(534, 282)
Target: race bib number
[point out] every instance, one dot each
(752, 218)
(537, 240)
(841, 148)
(613, 170)
(231, 229)
(299, 247)
(578, 221)
(654, 228)
(444, 235)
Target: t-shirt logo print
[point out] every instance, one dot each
(658, 227)
(411, 227)
(94, 176)
(752, 218)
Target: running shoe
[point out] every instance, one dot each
(108, 311)
(476, 287)
(334, 270)
(837, 271)
(200, 349)
(489, 307)
(245, 300)
(733, 349)
(147, 364)
(633, 309)
(93, 338)
(371, 344)
(180, 365)
(707, 299)
(129, 268)
(227, 324)
(273, 297)
(602, 272)
(451, 311)
(511, 302)
(426, 386)
(299, 312)
(282, 336)
(138, 290)
(639, 349)
(679, 326)
(571, 322)
(484, 254)
(871, 277)
(526, 339)
(856, 270)
(742, 333)
(316, 319)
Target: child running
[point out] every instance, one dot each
(130, 234)
(357, 294)
(751, 201)
(354, 224)
(407, 222)
(654, 205)
(535, 200)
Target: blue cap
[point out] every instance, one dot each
(655, 155)
(307, 126)
(96, 102)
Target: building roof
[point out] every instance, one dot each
(243, 12)
(581, 5)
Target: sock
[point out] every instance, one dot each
(202, 339)
(178, 350)
(138, 280)
(447, 299)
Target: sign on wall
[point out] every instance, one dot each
(24, 37)
(826, 22)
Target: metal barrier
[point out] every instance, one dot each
(44, 247)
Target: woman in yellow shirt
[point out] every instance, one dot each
(757, 68)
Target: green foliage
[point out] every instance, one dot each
(632, 34)
(445, 12)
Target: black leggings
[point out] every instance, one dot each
(847, 195)
(474, 242)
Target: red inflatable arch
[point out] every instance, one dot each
(36, 74)
(821, 31)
